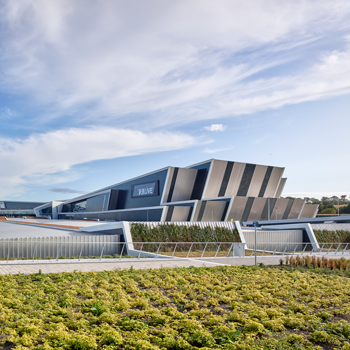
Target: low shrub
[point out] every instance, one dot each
(224, 307)
(180, 233)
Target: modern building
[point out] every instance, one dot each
(214, 190)
(13, 209)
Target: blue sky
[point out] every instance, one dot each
(93, 93)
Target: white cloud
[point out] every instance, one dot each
(216, 150)
(48, 158)
(65, 190)
(177, 62)
(215, 127)
(5, 113)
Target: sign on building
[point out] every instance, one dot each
(145, 190)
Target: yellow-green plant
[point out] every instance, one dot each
(225, 307)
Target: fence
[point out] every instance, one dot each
(110, 247)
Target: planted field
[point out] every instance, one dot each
(194, 308)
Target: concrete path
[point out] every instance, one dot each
(136, 264)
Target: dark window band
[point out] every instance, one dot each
(247, 209)
(265, 181)
(246, 180)
(172, 186)
(201, 211)
(226, 179)
(169, 213)
(288, 209)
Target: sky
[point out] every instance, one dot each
(93, 93)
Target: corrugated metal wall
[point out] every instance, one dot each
(45, 247)
(271, 240)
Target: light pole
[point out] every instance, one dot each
(338, 206)
(255, 224)
(255, 245)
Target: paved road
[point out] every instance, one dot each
(51, 267)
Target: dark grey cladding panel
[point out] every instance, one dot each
(225, 179)
(190, 214)
(113, 200)
(265, 181)
(169, 213)
(247, 209)
(288, 208)
(21, 205)
(246, 180)
(199, 183)
(172, 185)
(67, 208)
(134, 215)
(201, 166)
(225, 211)
(264, 215)
(201, 211)
(126, 201)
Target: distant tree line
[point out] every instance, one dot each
(327, 204)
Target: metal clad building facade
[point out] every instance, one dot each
(17, 208)
(214, 190)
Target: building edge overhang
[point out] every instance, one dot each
(107, 188)
(223, 160)
(114, 211)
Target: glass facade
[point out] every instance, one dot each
(16, 213)
(92, 204)
(46, 211)
(12, 209)
(142, 192)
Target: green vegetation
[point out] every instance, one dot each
(327, 204)
(181, 233)
(196, 308)
(339, 236)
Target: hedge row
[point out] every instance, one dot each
(339, 236)
(174, 233)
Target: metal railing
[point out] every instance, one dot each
(98, 251)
